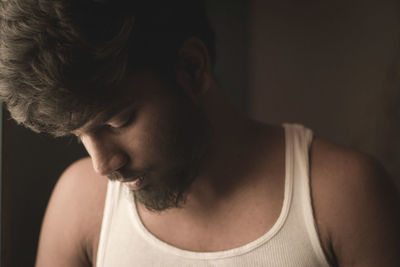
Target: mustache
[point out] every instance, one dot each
(123, 177)
(115, 176)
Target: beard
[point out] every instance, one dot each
(166, 193)
(184, 146)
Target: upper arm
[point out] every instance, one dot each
(66, 236)
(357, 208)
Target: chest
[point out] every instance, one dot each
(231, 226)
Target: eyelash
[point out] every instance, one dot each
(126, 123)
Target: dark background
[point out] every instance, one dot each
(331, 65)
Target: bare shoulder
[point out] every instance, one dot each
(356, 207)
(72, 222)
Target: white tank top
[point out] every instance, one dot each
(292, 241)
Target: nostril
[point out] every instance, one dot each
(119, 161)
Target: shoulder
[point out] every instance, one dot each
(341, 166)
(84, 192)
(356, 206)
(73, 217)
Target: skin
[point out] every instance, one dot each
(162, 138)
(346, 186)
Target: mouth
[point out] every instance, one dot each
(134, 183)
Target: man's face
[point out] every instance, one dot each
(157, 141)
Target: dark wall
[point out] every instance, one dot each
(33, 164)
(229, 18)
(331, 65)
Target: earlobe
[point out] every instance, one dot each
(193, 68)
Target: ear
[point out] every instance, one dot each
(193, 71)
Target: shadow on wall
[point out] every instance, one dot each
(329, 66)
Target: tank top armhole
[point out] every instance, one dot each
(306, 198)
(106, 223)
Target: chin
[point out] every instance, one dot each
(167, 194)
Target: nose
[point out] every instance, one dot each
(106, 156)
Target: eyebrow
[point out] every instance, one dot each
(101, 119)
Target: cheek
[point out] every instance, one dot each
(152, 138)
(165, 133)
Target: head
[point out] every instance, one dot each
(122, 75)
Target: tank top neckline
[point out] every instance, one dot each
(288, 189)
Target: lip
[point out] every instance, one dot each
(135, 183)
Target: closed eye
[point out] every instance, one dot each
(122, 122)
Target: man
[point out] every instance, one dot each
(191, 181)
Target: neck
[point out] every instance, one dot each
(223, 168)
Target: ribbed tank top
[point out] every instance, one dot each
(291, 242)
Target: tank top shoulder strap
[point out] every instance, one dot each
(112, 201)
(299, 140)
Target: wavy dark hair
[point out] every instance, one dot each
(61, 60)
